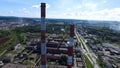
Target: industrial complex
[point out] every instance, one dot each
(57, 43)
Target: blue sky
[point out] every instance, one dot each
(66, 9)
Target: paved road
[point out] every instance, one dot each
(90, 55)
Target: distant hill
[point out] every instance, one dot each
(110, 24)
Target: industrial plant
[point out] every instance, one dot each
(47, 50)
(58, 43)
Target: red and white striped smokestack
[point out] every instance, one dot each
(53, 34)
(43, 39)
(70, 47)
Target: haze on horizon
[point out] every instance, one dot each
(64, 9)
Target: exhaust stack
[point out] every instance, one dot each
(70, 47)
(43, 39)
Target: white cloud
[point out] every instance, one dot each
(68, 9)
(25, 10)
(47, 5)
(85, 10)
(90, 6)
(11, 12)
(104, 1)
(78, 6)
(38, 6)
(105, 14)
(35, 6)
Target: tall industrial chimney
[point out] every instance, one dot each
(70, 47)
(43, 39)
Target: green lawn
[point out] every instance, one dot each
(118, 44)
(88, 63)
(13, 52)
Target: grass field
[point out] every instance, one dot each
(88, 63)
